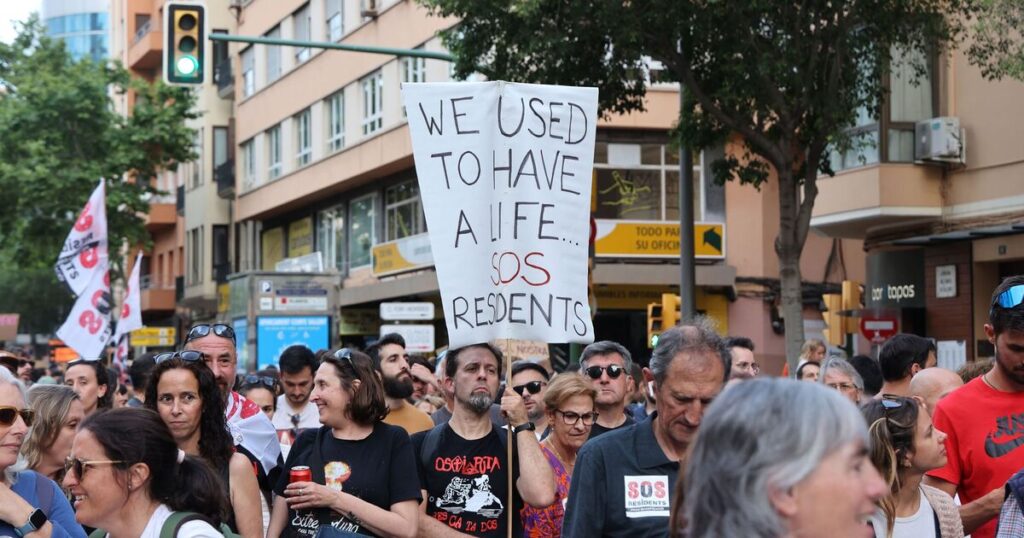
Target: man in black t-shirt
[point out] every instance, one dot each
(463, 464)
(608, 366)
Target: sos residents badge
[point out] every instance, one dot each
(647, 496)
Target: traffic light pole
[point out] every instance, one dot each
(687, 269)
(415, 53)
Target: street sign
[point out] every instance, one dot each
(153, 337)
(299, 302)
(418, 338)
(406, 311)
(878, 329)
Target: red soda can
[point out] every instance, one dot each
(300, 473)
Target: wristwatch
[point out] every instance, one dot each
(36, 520)
(526, 426)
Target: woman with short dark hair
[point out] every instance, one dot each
(89, 378)
(373, 460)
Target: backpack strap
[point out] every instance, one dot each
(174, 522)
(98, 533)
(429, 446)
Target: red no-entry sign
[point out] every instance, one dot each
(878, 329)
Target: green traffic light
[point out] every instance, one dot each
(654, 340)
(187, 66)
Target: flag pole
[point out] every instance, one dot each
(511, 438)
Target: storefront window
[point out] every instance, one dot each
(362, 230)
(641, 182)
(403, 211)
(330, 233)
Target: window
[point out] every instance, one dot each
(303, 139)
(195, 255)
(196, 177)
(403, 211)
(373, 103)
(330, 233)
(248, 74)
(220, 148)
(273, 56)
(221, 262)
(362, 230)
(335, 20)
(641, 182)
(414, 69)
(274, 152)
(301, 33)
(249, 164)
(335, 108)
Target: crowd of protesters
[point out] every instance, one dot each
(700, 443)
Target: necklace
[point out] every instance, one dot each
(554, 450)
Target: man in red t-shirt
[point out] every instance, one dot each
(984, 420)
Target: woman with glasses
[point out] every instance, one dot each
(58, 412)
(904, 446)
(31, 505)
(262, 390)
(90, 380)
(128, 477)
(182, 390)
(363, 471)
(840, 375)
(569, 401)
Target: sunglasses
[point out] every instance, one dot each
(614, 371)
(1011, 298)
(345, 354)
(187, 356)
(533, 387)
(79, 466)
(252, 380)
(9, 414)
(889, 403)
(204, 329)
(76, 362)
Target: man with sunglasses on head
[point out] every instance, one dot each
(607, 365)
(252, 430)
(982, 420)
(530, 380)
(294, 410)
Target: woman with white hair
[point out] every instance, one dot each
(31, 505)
(768, 452)
(840, 375)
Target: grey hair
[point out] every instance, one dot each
(607, 347)
(11, 473)
(760, 436)
(696, 336)
(844, 367)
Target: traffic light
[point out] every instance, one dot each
(852, 293)
(184, 43)
(834, 323)
(670, 305)
(654, 324)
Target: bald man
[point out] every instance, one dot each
(934, 384)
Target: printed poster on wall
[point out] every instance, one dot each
(504, 171)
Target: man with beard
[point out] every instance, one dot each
(463, 464)
(392, 362)
(530, 380)
(294, 410)
(982, 420)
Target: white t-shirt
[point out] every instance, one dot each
(919, 525)
(190, 529)
(309, 416)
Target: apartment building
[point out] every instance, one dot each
(940, 210)
(325, 180)
(189, 222)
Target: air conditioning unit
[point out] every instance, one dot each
(939, 140)
(368, 9)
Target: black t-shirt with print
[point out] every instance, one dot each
(379, 469)
(467, 483)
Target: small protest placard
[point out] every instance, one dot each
(505, 176)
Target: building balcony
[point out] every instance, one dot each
(146, 50)
(155, 297)
(224, 176)
(224, 79)
(856, 202)
(161, 217)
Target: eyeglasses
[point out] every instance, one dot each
(261, 380)
(1011, 298)
(748, 366)
(844, 386)
(9, 414)
(533, 387)
(79, 466)
(187, 356)
(203, 329)
(570, 418)
(614, 371)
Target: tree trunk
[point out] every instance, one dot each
(788, 247)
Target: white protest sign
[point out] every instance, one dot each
(505, 175)
(131, 309)
(85, 248)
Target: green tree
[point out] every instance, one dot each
(998, 44)
(59, 134)
(785, 78)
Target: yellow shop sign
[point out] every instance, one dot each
(405, 254)
(656, 239)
